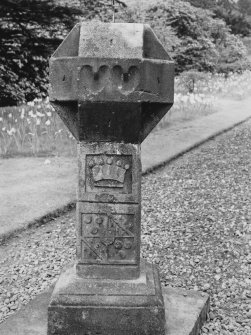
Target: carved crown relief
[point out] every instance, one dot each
(109, 173)
(108, 170)
(106, 77)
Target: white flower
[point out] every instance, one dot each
(31, 114)
(11, 131)
(4, 128)
(47, 162)
(1, 119)
(48, 122)
(70, 136)
(177, 97)
(30, 103)
(49, 114)
(40, 114)
(47, 100)
(22, 113)
(184, 99)
(10, 115)
(191, 99)
(38, 122)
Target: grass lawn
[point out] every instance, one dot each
(30, 188)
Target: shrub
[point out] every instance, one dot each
(195, 39)
(30, 30)
(245, 6)
(234, 14)
(101, 9)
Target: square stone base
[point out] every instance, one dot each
(82, 306)
(186, 312)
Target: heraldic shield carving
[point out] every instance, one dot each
(108, 239)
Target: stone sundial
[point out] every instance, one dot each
(111, 83)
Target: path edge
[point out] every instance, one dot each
(44, 219)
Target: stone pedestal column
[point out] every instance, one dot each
(111, 84)
(109, 210)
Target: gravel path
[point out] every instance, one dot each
(194, 226)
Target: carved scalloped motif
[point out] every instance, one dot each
(109, 78)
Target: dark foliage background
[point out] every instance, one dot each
(194, 36)
(234, 13)
(201, 35)
(30, 30)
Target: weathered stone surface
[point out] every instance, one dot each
(108, 235)
(109, 172)
(120, 40)
(185, 313)
(113, 79)
(112, 62)
(112, 40)
(119, 71)
(81, 306)
(111, 89)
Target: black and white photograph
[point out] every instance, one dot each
(125, 167)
